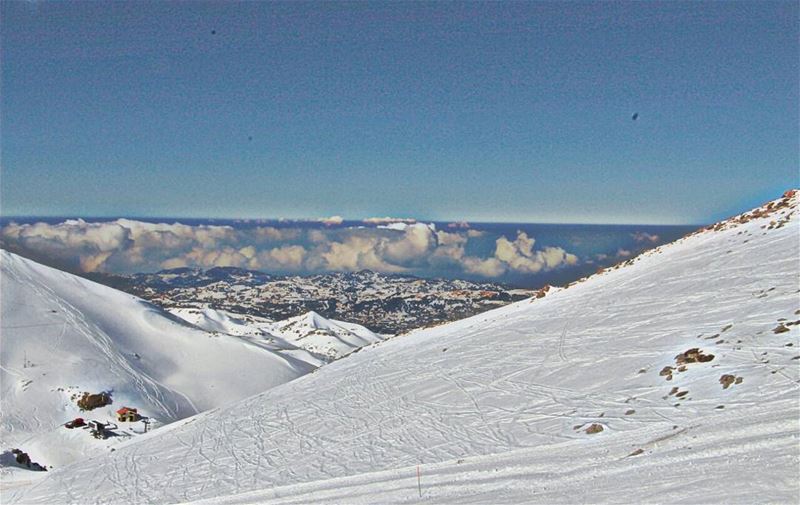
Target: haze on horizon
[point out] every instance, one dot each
(493, 112)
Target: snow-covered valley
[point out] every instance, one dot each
(63, 336)
(324, 339)
(675, 377)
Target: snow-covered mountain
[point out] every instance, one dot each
(389, 304)
(63, 335)
(675, 377)
(326, 339)
(222, 321)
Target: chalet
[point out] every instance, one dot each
(127, 414)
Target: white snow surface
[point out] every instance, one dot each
(323, 339)
(328, 338)
(494, 408)
(222, 321)
(61, 335)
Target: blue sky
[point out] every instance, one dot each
(508, 111)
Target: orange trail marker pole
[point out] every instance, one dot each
(419, 483)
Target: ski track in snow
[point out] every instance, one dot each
(98, 338)
(494, 409)
(62, 335)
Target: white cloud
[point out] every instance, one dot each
(353, 254)
(388, 220)
(332, 221)
(490, 267)
(317, 236)
(394, 226)
(91, 262)
(174, 263)
(285, 258)
(519, 256)
(248, 252)
(126, 246)
(416, 242)
(271, 234)
(643, 236)
(446, 239)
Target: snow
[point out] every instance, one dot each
(495, 408)
(222, 321)
(328, 338)
(63, 335)
(323, 339)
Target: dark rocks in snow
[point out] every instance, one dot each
(727, 380)
(16, 457)
(781, 328)
(693, 355)
(94, 401)
(594, 428)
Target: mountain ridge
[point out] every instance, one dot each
(385, 303)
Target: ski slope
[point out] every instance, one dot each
(63, 335)
(584, 395)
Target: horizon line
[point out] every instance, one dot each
(346, 221)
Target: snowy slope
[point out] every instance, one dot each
(325, 339)
(62, 335)
(506, 407)
(222, 321)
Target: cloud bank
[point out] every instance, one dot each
(125, 246)
(519, 256)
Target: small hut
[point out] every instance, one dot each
(98, 429)
(127, 415)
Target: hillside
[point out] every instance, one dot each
(63, 335)
(674, 377)
(323, 339)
